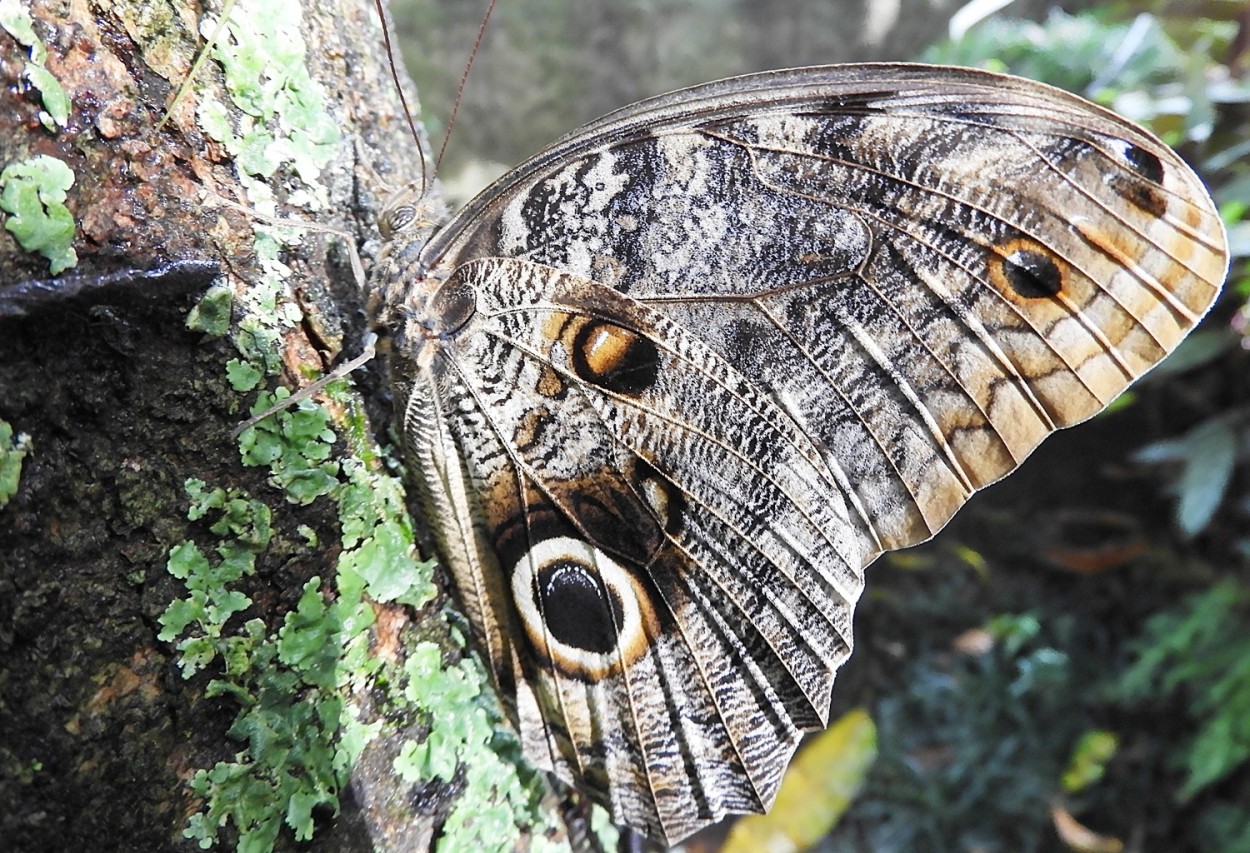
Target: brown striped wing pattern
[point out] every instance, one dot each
(669, 387)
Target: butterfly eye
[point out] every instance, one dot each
(452, 307)
(397, 219)
(615, 358)
(403, 210)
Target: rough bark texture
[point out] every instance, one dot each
(122, 404)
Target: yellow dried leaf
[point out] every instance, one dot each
(1080, 838)
(817, 789)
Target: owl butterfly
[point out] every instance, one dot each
(672, 384)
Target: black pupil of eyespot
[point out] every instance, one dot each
(1148, 165)
(576, 607)
(1032, 274)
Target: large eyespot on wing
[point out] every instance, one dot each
(586, 614)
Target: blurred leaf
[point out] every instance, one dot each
(1079, 53)
(1213, 453)
(1208, 455)
(1229, 156)
(1239, 236)
(1224, 827)
(1041, 670)
(816, 791)
(1014, 631)
(1124, 400)
(975, 642)
(1224, 743)
(1201, 347)
(1089, 759)
(1202, 649)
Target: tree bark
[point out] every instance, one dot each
(120, 404)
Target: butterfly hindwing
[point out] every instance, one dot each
(681, 592)
(683, 375)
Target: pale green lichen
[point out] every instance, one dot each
(16, 21)
(464, 727)
(13, 449)
(296, 443)
(302, 738)
(211, 315)
(245, 528)
(32, 193)
(243, 376)
(263, 57)
(284, 126)
(285, 129)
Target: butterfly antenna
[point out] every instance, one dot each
(390, 58)
(200, 59)
(468, 66)
(370, 350)
(358, 272)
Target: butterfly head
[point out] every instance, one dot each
(402, 285)
(410, 216)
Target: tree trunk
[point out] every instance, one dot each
(115, 404)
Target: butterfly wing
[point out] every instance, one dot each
(732, 343)
(661, 559)
(849, 220)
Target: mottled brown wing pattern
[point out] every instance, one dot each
(696, 566)
(678, 379)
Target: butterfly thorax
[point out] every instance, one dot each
(403, 280)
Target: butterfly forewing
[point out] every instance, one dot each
(683, 375)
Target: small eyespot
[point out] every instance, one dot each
(1143, 187)
(662, 495)
(1143, 162)
(1027, 268)
(1030, 274)
(615, 358)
